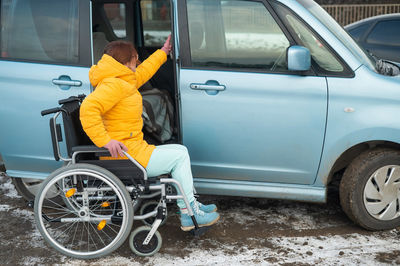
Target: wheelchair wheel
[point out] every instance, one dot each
(149, 207)
(98, 219)
(136, 242)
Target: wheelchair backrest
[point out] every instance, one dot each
(74, 134)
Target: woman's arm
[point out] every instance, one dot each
(150, 66)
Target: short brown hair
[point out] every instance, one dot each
(121, 51)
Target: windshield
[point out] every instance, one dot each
(338, 31)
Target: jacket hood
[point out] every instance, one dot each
(108, 67)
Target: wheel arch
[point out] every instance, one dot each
(350, 154)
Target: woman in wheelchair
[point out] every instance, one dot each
(112, 118)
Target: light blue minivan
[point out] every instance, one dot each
(273, 98)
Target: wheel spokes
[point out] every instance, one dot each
(390, 211)
(380, 177)
(394, 176)
(371, 192)
(376, 207)
(382, 194)
(74, 227)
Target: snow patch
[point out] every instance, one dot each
(25, 214)
(234, 41)
(32, 261)
(4, 207)
(351, 249)
(297, 218)
(9, 188)
(109, 261)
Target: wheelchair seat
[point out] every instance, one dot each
(82, 150)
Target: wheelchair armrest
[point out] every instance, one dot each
(91, 149)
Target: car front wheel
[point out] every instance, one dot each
(370, 189)
(28, 188)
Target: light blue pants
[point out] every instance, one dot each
(173, 159)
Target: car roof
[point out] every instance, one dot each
(372, 19)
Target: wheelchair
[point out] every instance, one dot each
(99, 197)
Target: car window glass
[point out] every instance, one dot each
(320, 54)
(40, 30)
(235, 34)
(116, 14)
(156, 21)
(359, 31)
(386, 33)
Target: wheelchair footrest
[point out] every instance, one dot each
(200, 231)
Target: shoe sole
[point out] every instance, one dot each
(189, 228)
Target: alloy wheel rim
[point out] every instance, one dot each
(382, 193)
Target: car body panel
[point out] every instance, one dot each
(29, 87)
(359, 114)
(261, 190)
(254, 131)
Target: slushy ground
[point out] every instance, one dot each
(250, 232)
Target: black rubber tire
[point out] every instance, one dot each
(21, 189)
(138, 235)
(94, 169)
(354, 181)
(25, 192)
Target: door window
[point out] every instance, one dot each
(235, 34)
(156, 21)
(40, 30)
(325, 60)
(116, 14)
(385, 33)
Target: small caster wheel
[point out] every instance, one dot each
(136, 242)
(149, 207)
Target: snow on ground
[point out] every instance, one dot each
(250, 232)
(9, 188)
(351, 249)
(234, 41)
(4, 207)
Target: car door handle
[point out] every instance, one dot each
(199, 86)
(64, 82)
(75, 83)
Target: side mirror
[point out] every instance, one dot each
(299, 58)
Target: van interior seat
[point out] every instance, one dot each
(196, 35)
(164, 78)
(198, 48)
(23, 26)
(99, 43)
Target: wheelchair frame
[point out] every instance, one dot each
(145, 190)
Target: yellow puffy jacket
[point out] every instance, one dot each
(114, 109)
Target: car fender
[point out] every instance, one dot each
(334, 150)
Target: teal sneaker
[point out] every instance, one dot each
(207, 208)
(202, 218)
